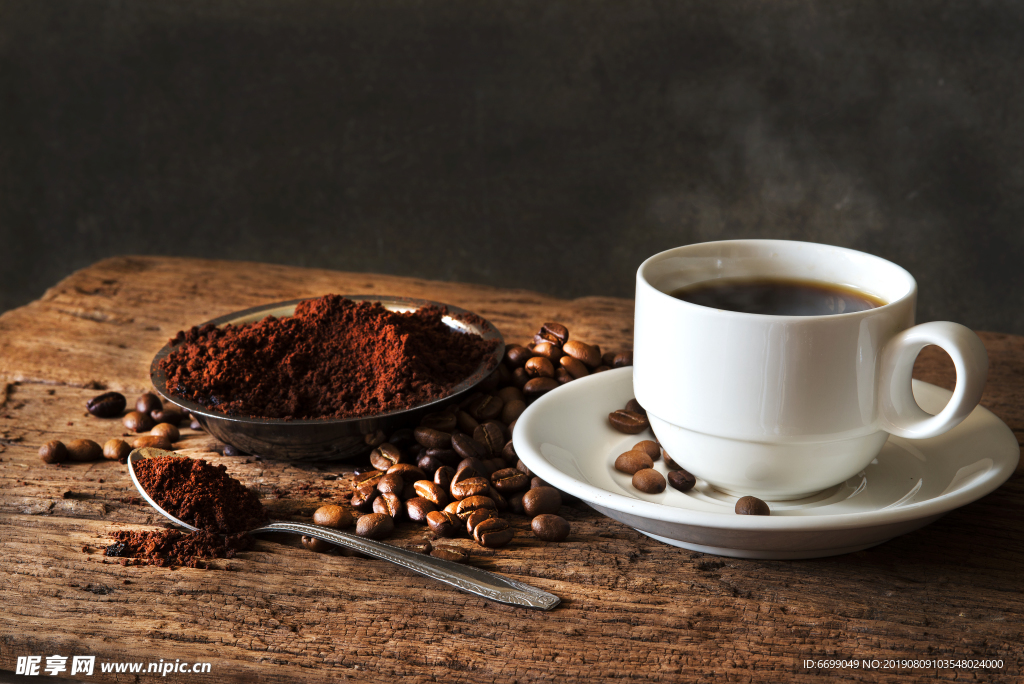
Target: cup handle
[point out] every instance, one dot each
(900, 413)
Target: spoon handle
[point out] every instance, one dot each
(464, 577)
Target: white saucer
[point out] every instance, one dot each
(565, 438)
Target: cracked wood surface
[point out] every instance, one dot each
(632, 608)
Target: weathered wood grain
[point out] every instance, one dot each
(632, 608)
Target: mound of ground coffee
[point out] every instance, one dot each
(334, 358)
(165, 548)
(200, 494)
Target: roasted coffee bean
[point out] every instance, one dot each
(493, 465)
(375, 526)
(550, 528)
(429, 464)
(669, 463)
(465, 422)
(520, 377)
(477, 517)
(493, 533)
(573, 366)
(628, 422)
(601, 369)
(467, 468)
(649, 481)
(503, 374)
(443, 421)
(539, 386)
(231, 450)
(562, 376)
(368, 479)
(375, 439)
(362, 498)
(167, 430)
(392, 483)
(137, 421)
(388, 504)
(408, 472)
(433, 439)
(468, 447)
(443, 524)
(545, 350)
(608, 358)
(649, 447)
(512, 410)
(589, 355)
(522, 467)
(332, 516)
(555, 333)
(431, 491)
(466, 506)
(622, 359)
(84, 450)
(447, 456)
(106, 405)
(422, 546)
(316, 544)
(147, 403)
(473, 486)
(408, 491)
(510, 481)
(515, 504)
(517, 355)
(631, 462)
(489, 406)
(492, 436)
(385, 456)
(537, 482)
(417, 508)
(541, 500)
(444, 476)
(751, 505)
(681, 480)
(508, 452)
(450, 553)
(152, 442)
(402, 439)
(634, 406)
(168, 414)
(539, 367)
(53, 452)
(500, 502)
(511, 428)
(510, 393)
(116, 449)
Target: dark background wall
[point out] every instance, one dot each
(527, 143)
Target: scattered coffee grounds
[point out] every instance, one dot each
(334, 358)
(165, 548)
(200, 494)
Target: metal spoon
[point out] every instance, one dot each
(467, 578)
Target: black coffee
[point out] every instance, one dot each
(778, 297)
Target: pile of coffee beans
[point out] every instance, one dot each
(457, 471)
(149, 416)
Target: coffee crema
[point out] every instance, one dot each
(778, 296)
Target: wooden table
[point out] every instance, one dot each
(632, 608)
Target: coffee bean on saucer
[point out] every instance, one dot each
(538, 386)
(167, 430)
(375, 526)
(136, 421)
(106, 405)
(152, 442)
(681, 480)
(573, 367)
(751, 505)
(433, 439)
(541, 500)
(450, 553)
(385, 456)
(493, 533)
(389, 504)
(418, 508)
(649, 447)
(147, 403)
(53, 452)
(443, 421)
(634, 406)
(669, 463)
(628, 422)
(116, 449)
(332, 516)
(649, 481)
(443, 524)
(84, 450)
(632, 462)
(550, 528)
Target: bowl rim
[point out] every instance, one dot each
(455, 314)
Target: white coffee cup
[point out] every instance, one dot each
(781, 407)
